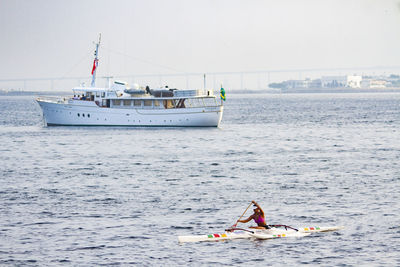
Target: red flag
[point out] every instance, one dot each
(94, 66)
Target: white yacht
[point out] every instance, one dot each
(119, 105)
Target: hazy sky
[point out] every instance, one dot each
(41, 38)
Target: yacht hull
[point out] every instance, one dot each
(89, 114)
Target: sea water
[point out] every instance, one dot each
(91, 196)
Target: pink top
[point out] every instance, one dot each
(260, 220)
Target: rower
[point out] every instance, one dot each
(258, 216)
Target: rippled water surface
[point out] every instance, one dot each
(90, 196)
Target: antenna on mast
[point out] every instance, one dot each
(95, 62)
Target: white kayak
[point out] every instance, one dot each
(274, 232)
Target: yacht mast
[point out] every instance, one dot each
(95, 62)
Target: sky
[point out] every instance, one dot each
(55, 38)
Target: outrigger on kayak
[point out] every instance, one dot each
(261, 231)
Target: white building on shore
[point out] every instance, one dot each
(342, 82)
(352, 81)
(374, 83)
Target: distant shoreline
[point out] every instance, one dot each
(315, 90)
(30, 93)
(342, 90)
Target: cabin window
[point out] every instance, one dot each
(156, 103)
(137, 103)
(97, 94)
(103, 94)
(148, 103)
(116, 102)
(181, 103)
(169, 103)
(127, 102)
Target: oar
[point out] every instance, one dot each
(233, 226)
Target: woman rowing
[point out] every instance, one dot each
(258, 216)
